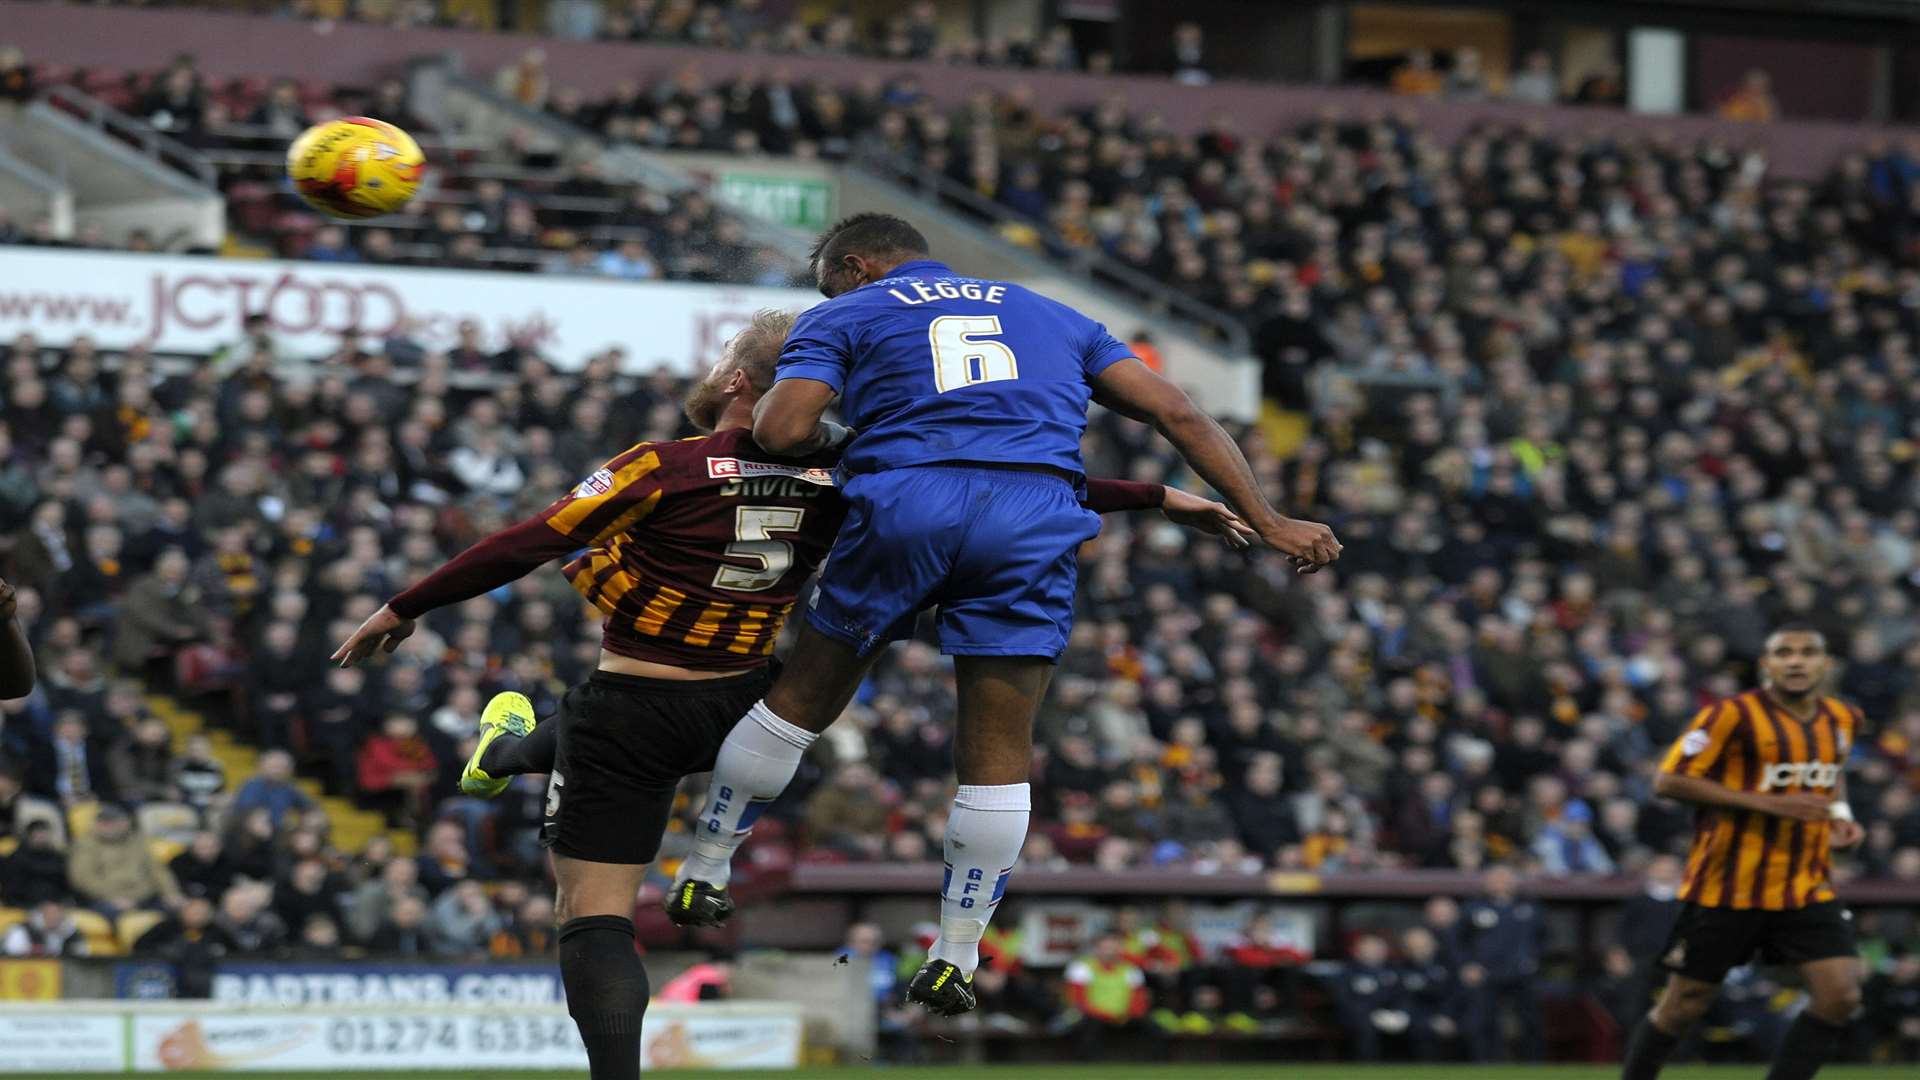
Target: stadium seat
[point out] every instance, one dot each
(132, 924)
(7, 846)
(80, 818)
(101, 939)
(11, 917)
(173, 822)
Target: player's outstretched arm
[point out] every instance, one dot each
(500, 559)
(1133, 389)
(16, 655)
(788, 420)
(1184, 508)
(1701, 791)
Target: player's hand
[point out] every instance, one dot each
(382, 630)
(1204, 515)
(1846, 835)
(1805, 806)
(1309, 544)
(9, 600)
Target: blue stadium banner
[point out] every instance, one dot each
(144, 980)
(387, 984)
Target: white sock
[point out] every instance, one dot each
(985, 833)
(754, 766)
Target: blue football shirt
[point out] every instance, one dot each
(932, 366)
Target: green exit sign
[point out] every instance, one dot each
(785, 200)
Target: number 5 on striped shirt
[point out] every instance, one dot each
(752, 526)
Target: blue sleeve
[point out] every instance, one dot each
(818, 348)
(1101, 350)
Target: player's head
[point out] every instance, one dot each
(745, 370)
(1794, 661)
(862, 248)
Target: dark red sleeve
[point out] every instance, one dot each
(1107, 496)
(506, 556)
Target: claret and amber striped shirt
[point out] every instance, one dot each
(1744, 859)
(696, 549)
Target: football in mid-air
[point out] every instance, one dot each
(355, 167)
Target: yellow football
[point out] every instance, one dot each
(355, 167)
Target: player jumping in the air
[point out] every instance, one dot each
(1766, 770)
(695, 550)
(969, 398)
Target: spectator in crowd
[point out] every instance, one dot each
(529, 933)
(1417, 77)
(247, 918)
(193, 941)
(176, 103)
(403, 933)
(271, 789)
(1502, 949)
(396, 770)
(463, 921)
(71, 766)
(1567, 845)
(198, 775)
(1536, 83)
(1647, 920)
(1372, 1004)
(159, 613)
(203, 869)
(1109, 993)
(1188, 55)
(47, 931)
(281, 114)
(329, 244)
(1432, 995)
(445, 860)
(1465, 79)
(1603, 86)
(142, 766)
(250, 843)
(1752, 100)
(307, 891)
(524, 81)
(35, 871)
(319, 940)
(112, 871)
(16, 76)
(19, 810)
(369, 907)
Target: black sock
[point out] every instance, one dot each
(1810, 1043)
(511, 755)
(607, 992)
(1647, 1051)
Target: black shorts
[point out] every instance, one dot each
(1706, 943)
(624, 744)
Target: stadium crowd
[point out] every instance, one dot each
(1589, 415)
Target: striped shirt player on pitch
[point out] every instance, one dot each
(1766, 772)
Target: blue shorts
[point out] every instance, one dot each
(996, 550)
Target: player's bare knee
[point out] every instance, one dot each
(1836, 1005)
(1682, 1005)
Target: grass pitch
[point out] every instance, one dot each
(1252, 1071)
